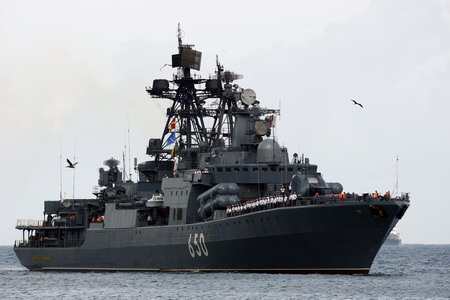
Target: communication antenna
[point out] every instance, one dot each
(395, 189)
(279, 119)
(129, 148)
(279, 107)
(73, 180)
(124, 175)
(60, 171)
(180, 35)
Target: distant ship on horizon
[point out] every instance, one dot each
(393, 238)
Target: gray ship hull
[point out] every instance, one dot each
(334, 238)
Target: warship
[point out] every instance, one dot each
(219, 198)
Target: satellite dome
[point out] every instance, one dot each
(269, 151)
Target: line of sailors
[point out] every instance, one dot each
(261, 204)
(291, 200)
(387, 196)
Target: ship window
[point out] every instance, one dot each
(236, 169)
(264, 169)
(219, 170)
(255, 169)
(313, 180)
(173, 214)
(282, 169)
(179, 213)
(290, 169)
(245, 169)
(227, 169)
(176, 193)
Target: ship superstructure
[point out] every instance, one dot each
(224, 198)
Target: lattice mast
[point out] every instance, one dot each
(223, 119)
(185, 116)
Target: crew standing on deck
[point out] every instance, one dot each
(149, 220)
(316, 198)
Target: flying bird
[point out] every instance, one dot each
(356, 103)
(71, 165)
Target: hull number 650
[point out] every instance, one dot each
(196, 245)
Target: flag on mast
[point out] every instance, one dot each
(272, 121)
(174, 150)
(173, 124)
(171, 139)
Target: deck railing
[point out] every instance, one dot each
(29, 223)
(40, 243)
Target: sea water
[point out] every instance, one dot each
(398, 272)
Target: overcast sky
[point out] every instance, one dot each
(73, 77)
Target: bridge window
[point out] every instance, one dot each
(313, 180)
